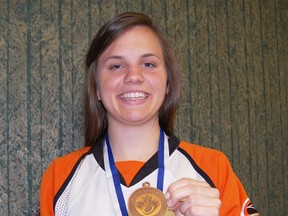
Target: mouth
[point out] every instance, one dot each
(134, 96)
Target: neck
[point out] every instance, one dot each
(134, 142)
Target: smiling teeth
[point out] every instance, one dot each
(133, 95)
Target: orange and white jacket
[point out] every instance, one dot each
(76, 184)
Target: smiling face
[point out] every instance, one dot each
(131, 78)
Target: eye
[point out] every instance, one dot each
(115, 67)
(149, 65)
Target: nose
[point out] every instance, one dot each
(134, 75)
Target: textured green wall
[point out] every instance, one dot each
(234, 73)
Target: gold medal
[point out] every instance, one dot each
(147, 201)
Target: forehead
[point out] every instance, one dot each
(137, 38)
(139, 31)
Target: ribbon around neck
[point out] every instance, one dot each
(116, 178)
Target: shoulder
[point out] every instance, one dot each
(200, 153)
(60, 168)
(71, 158)
(210, 162)
(65, 164)
(213, 163)
(55, 176)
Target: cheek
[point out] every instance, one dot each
(106, 86)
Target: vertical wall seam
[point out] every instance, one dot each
(116, 2)
(165, 16)
(219, 131)
(89, 21)
(142, 5)
(236, 95)
(60, 84)
(100, 12)
(190, 70)
(280, 106)
(41, 89)
(210, 73)
(268, 104)
(176, 47)
(254, 92)
(229, 86)
(8, 108)
(197, 76)
(247, 91)
(284, 40)
(72, 74)
(264, 106)
(29, 107)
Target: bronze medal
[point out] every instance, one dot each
(147, 201)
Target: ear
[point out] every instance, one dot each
(167, 88)
(98, 95)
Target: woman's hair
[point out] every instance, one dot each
(96, 123)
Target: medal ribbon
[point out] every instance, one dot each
(160, 177)
(116, 179)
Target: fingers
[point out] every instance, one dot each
(183, 188)
(191, 197)
(199, 205)
(199, 211)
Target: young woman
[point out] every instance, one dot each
(132, 163)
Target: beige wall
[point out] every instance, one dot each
(234, 72)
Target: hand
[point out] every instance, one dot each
(190, 198)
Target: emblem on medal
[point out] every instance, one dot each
(148, 201)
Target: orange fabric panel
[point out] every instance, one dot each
(129, 169)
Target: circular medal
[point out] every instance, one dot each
(147, 201)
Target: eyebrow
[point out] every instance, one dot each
(150, 54)
(113, 57)
(121, 57)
